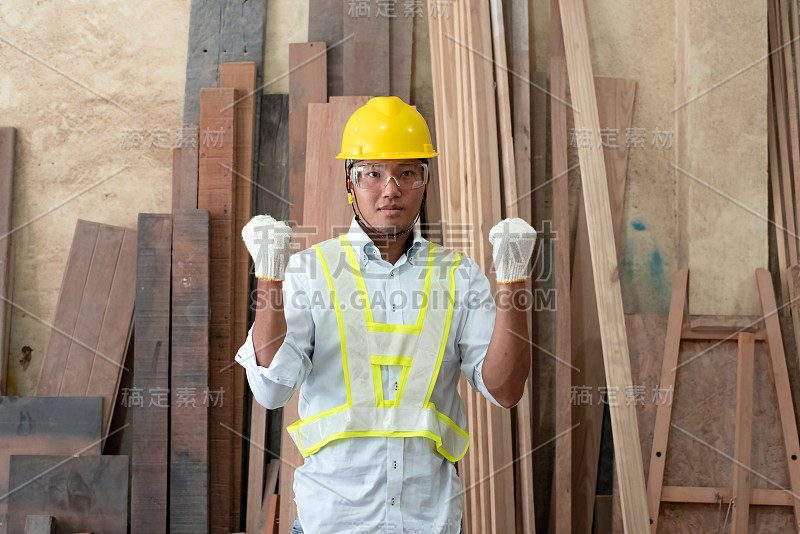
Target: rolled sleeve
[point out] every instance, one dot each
(475, 331)
(273, 386)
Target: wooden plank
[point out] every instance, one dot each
(329, 29)
(401, 37)
(8, 136)
(793, 279)
(83, 493)
(503, 95)
(72, 286)
(150, 441)
(563, 492)
(780, 377)
(743, 434)
(273, 523)
(543, 324)
(272, 190)
(188, 467)
(307, 74)
(216, 194)
(92, 309)
(188, 169)
(783, 31)
(242, 77)
(781, 232)
(220, 32)
(615, 99)
(46, 425)
(365, 55)
(604, 266)
(115, 333)
(40, 524)
(603, 510)
(658, 456)
(93, 317)
(177, 159)
(270, 489)
(781, 104)
(758, 497)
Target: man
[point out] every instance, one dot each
(374, 327)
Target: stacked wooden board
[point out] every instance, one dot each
(8, 138)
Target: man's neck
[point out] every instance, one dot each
(391, 248)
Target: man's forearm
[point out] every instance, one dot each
(269, 328)
(507, 361)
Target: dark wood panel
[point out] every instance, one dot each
(326, 25)
(72, 286)
(46, 425)
(84, 494)
(366, 50)
(7, 147)
(215, 194)
(220, 32)
(189, 373)
(149, 459)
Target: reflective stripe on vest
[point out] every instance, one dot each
(367, 345)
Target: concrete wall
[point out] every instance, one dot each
(77, 75)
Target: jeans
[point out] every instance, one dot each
(297, 529)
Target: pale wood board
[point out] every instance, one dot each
(744, 434)
(615, 98)
(604, 266)
(563, 492)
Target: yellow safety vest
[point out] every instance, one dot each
(367, 345)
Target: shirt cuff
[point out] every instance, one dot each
(480, 386)
(278, 371)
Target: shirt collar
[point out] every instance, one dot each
(364, 247)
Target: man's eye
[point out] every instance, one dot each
(372, 174)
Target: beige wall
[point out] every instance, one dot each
(76, 75)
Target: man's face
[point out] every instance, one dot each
(386, 206)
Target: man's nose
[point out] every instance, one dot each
(394, 187)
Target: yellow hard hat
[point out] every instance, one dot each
(386, 128)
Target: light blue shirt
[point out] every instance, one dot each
(391, 485)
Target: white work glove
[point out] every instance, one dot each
(270, 244)
(512, 241)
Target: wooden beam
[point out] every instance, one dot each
(780, 376)
(149, 459)
(216, 194)
(658, 454)
(615, 98)
(366, 51)
(188, 467)
(604, 266)
(329, 29)
(758, 497)
(743, 434)
(8, 138)
(307, 75)
(563, 491)
(781, 232)
(94, 315)
(272, 190)
(242, 77)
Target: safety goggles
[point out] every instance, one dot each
(375, 176)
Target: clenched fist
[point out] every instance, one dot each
(270, 244)
(512, 241)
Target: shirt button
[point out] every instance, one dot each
(391, 273)
(395, 464)
(392, 501)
